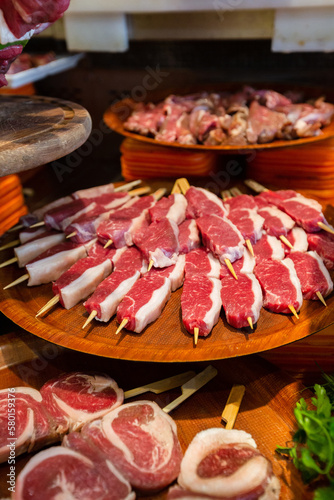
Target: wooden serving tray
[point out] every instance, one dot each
(36, 130)
(266, 410)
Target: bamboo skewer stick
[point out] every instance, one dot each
(176, 188)
(293, 310)
(8, 262)
(150, 265)
(230, 268)
(250, 322)
(122, 325)
(320, 297)
(183, 184)
(250, 247)
(11, 244)
(52, 302)
(193, 385)
(89, 319)
(286, 241)
(196, 333)
(19, 280)
(325, 227)
(232, 406)
(255, 186)
(140, 191)
(15, 228)
(161, 385)
(38, 224)
(235, 191)
(159, 193)
(129, 185)
(109, 242)
(226, 195)
(71, 235)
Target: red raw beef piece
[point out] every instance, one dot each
(201, 261)
(159, 243)
(200, 303)
(245, 265)
(188, 236)
(221, 237)
(225, 464)
(241, 201)
(268, 247)
(173, 207)
(248, 222)
(298, 239)
(280, 285)
(141, 442)
(276, 222)
(76, 398)
(241, 299)
(305, 211)
(202, 202)
(323, 244)
(274, 197)
(312, 274)
(117, 487)
(62, 473)
(174, 273)
(34, 428)
(263, 124)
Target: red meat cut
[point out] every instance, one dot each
(188, 236)
(323, 244)
(141, 441)
(202, 202)
(76, 398)
(159, 243)
(201, 261)
(312, 274)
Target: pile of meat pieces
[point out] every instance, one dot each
(111, 450)
(221, 273)
(246, 117)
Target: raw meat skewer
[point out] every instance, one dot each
(11, 244)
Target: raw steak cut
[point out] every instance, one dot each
(175, 273)
(280, 285)
(201, 261)
(245, 265)
(172, 208)
(188, 236)
(241, 299)
(276, 222)
(240, 201)
(202, 202)
(323, 244)
(268, 247)
(221, 237)
(312, 274)
(159, 243)
(114, 483)
(24, 421)
(60, 473)
(76, 398)
(305, 211)
(141, 441)
(200, 303)
(298, 239)
(248, 222)
(226, 464)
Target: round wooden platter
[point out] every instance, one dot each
(165, 340)
(36, 130)
(117, 114)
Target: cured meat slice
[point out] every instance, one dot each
(202, 202)
(74, 399)
(94, 192)
(173, 208)
(245, 265)
(30, 233)
(159, 243)
(276, 222)
(268, 247)
(60, 217)
(115, 485)
(227, 464)
(24, 424)
(81, 279)
(280, 285)
(141, 441)
(201, 261)
(188, 236)
(248, 222)
(52, 263)
(298, 239)
(240, 201)
(200, 303)
(323, 244)
(174, 273)
(112, 290)
(241, 299)
(221, 237)
(144, 302)
(62, 473)
(34, 247)
(304, 211)
(312, 274)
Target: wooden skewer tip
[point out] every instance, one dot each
(150, 265)
(71, 234)
(15, 228)
(293, 310)
(325, 227)
(250, 322)
(38, 224)
(11, 244)
(230, 268)
(250, 247)
(108, 244)
(122, 325)
(196, 333)
(8, 262)
(19, 280)
(52, 302)
(286, 241)
(90, 318)
(320, 297)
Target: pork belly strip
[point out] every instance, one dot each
(280, 285)
(323, 244)
(30, 233)
(144, 302)
(200, 303)
(188, 236)
(81, 279)
(159, 243)
(276, 222)
(241, 299)
(202, 202)
(50, 265)
(34, 247)
(221, 237)
(172, 208)
(74, 399)
(226, 464)
(141, 441)
(312, 274)
(33, 427)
